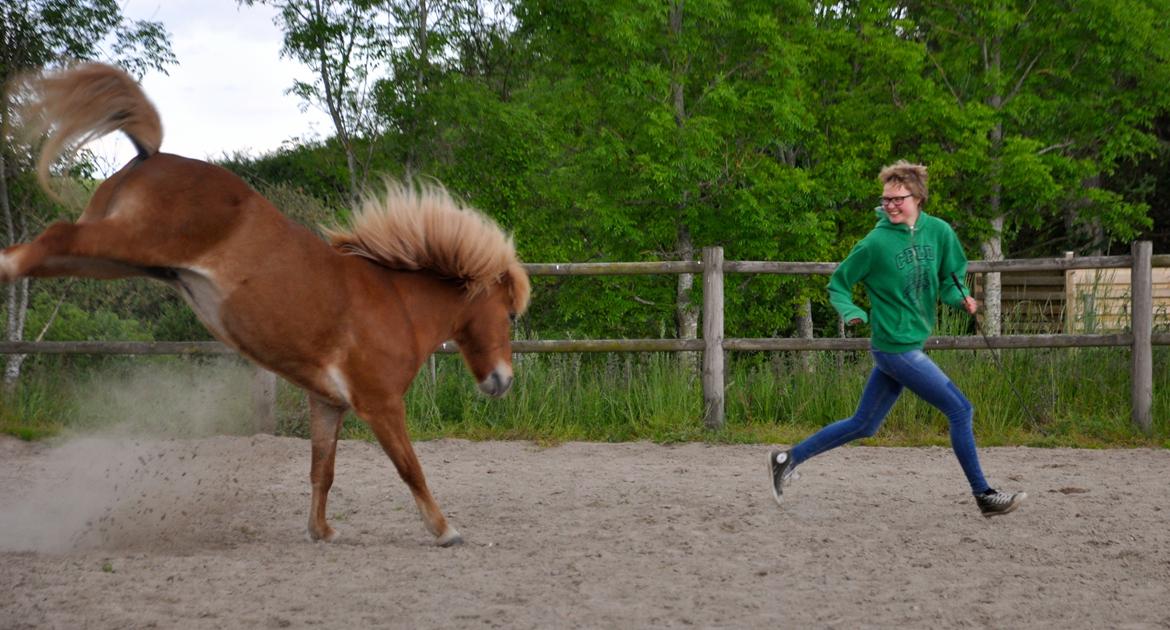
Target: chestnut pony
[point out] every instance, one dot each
(350, 321)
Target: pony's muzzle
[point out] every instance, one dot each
(498, 382)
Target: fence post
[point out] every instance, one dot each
(713, 379)
(1142, 377)
(263, 400)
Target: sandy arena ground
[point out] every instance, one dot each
(209, 533)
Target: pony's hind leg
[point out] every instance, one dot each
(324, 427)
(97, 250)
(24, 259)
(389, 426)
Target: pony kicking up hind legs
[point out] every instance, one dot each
(75, 105)
(416, 269)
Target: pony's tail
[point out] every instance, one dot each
(87, 101)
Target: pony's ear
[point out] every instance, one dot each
(519, 287)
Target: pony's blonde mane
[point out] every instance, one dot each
(413, 228)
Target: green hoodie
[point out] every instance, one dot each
(905, 272)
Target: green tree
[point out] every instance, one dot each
(636, 129)
(341, 43)
(679, 125)
(419, 30)
(444, 61)
(1045, 99)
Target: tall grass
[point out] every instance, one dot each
(555, 399)
(34, 409)
(1072, 397)
(1067, 398)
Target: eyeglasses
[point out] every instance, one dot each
(895, 201)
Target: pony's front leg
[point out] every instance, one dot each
(389, 425)
(324, 427)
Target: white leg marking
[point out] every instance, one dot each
(203, 294)
(340, 386)
(449, 538)
(7, 267)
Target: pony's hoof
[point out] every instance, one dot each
(450, 539)
(328, 536)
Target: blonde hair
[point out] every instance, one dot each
(912, 176)
(423, 227)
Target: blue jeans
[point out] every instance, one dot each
(892, 372)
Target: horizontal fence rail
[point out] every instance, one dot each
(613, 269)
(774, 344)
(712, 267)
(824, 268)
(115, 347)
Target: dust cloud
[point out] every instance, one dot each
(180, 399)
(126, 471)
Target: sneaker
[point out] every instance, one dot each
(782, 472)
(994, 502)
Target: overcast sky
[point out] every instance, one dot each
(227, 92)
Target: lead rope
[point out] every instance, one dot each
(1036, 425)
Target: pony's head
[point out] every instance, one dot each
(483, 333)
(425, 228)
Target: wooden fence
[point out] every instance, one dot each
(714, 343)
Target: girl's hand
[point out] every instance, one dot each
(970, 304)
(855, 321)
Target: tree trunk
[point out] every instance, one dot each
(992, 249)
(1083, 227)
(332, 103)
(686, 313)
(421, 31)
(676, 84)
(16, 299)
(993, 246)
(334, 99)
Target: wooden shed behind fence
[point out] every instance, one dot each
(1033, 301)
(1076, 301)
(1098, 300)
